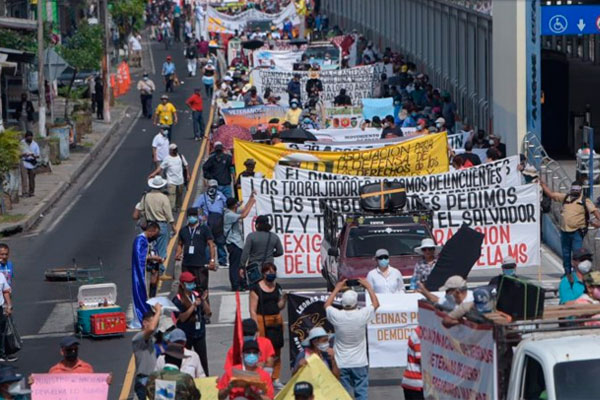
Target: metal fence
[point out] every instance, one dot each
(448, 41)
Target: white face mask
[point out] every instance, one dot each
(323, 346)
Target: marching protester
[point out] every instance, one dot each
(160, 146)
(317, 343)
(412, 379)
(234, 238)
(250, 164)
(166, 115)
(219, 167)
(429, 250)
(350, 346)
(211, 205)
(294, 90)
(185, 388)
(191, 363)
(208, 78)
(6, 310)
(168, 73)
(144, 351)
(266, 357)
(71, 363)
(384, 278)
(175, 167)
(342, 99)
(30, 154)
(192, 302)
(194, 102)
(390, 129)
(6, 266)
(469, 156)
(292, 116)
(191, 55)
(303, 391)
(572, 286)
(146, 88)
(576, 211)
(267, 299)
(261, 246)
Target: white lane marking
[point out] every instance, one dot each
(227, 308)
(60, 319)
(63, 213)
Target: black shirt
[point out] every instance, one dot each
(396, 130)
(218, 167)
(474, 158)
(199, 244)
(267, 302)
(194, 327)
(342, 100)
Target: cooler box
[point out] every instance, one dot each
(95, 300)
(108, 324)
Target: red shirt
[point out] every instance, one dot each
(195, 102)
(80, 368)
(266, 351)
(239, 392)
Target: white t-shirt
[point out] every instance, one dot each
(350, 348)
(4, 287)
(135, 44)
(161, 143)
(392, 283)
(174, 169)
(190, 365)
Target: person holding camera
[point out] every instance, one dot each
(267, 299)
(350, 347)
(30, 154)
(192, 303)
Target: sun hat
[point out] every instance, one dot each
(157, 182)
(427, 243)
(314, 333)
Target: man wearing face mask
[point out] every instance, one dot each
(440, 124)
(267, 352)
(292, 116)
(160, 146)
(218, 167)
(572, 286)
(211, 207)
(390, 129)
(575, 213)
(239, 388)
(294, 89)
(422, 127)
(71, 364)
(146, 88)
(385, 279)
(411, 120)
(509, 267)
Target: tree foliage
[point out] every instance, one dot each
(83, 50)
(10, 151)
(128, 15)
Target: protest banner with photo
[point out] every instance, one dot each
(421, 156)
(378, 107)
(305, 311)
(343, 117)
(345, 146)
(69, 387)
(458, 363)
(346, 135)
(233, 47)
(251, 117)
(281, 59)
(359, 82)
(219, 22)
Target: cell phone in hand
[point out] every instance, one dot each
(352, 282)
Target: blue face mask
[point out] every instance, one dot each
(190, 286)
(383, 263)
(192, 220)
(248, 338)
(250, 359)
(270, 277)
(508, 272)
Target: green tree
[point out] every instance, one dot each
(82, 51)
(10, 153)
(128, 15)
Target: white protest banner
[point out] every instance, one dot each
(346, 135)
(497, 174)
(345, 146)
(458, 363)
(219, 22)
(458, 140)
(359, 82)
(281, 59)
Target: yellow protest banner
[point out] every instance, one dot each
(207, 387)
(325, 384)
(420, 156)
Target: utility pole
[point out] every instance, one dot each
(103, 11)
(40, 57)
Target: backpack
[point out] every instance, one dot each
(582, 231)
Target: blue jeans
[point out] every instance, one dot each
(198, 124)
(221, 254)
(356, 381)
(139, 386)
(163, 239)
(570, 242)
(226, 190)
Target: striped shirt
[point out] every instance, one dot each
(413, 379)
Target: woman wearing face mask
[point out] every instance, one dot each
(267, 299)
(317, 343)
(385, 279)
(193, 306)
(239, 388)
(429, 251)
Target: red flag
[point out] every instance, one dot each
(238, 334)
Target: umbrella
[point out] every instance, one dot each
(297, 135)
(226, 133)
(253, 44)
(457, 257)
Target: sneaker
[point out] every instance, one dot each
(10, 358)
(277, 385)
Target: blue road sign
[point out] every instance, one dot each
(571, 20)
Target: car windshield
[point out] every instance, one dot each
(363, 241)
(577, 380)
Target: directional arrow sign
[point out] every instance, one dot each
(570, 20)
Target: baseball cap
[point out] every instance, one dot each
(250, 161)
(440, 120)
(250, 345)
(212, 183)
(172, 146)
(187, 277)
(509, 262)
(164, 96)
(249, 326)
(303, 389)
(68, 341)
(218, 144)
(349, 299)
(177, 335)
(581, 253)
(454, 282)
(381, 252)
(584, 266)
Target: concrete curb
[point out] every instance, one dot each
(37, 212)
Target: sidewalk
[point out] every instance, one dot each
(51, 186)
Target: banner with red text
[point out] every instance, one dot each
(457, 363)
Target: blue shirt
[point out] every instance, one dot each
(409, 122)
(7, 270)
(204, 203)
(168, 68)
(566, 292)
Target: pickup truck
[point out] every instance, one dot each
(351, 239)
(550, 358)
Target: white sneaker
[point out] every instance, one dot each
(277, 385)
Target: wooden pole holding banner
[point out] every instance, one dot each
(41, 80)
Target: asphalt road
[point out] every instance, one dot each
(94, 220)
